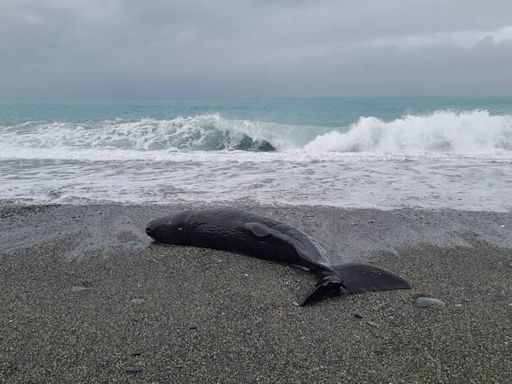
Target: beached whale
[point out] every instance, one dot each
(262, 237)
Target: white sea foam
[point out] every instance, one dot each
(475, 132)
(202, 132)
(441, 160)
(441, 133)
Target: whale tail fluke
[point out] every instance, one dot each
(355, 278)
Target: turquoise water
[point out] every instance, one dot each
(325, 112)
(352, 152)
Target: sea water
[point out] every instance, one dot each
(348, 152)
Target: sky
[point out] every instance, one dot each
(156, 49)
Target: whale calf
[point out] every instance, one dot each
(246, 233)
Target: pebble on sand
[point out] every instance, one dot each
(78, 289)
(426, 302)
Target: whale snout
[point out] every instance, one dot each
(151, 228)
(166, 229)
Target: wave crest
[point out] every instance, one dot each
(202, 132)
(468, 133)
(473, 132)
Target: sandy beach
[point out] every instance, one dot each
(87, 297)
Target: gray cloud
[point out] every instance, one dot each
(237, 48)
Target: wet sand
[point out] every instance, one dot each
(87, 297)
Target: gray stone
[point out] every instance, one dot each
(427, 302)
(79, 289)
(133, 369)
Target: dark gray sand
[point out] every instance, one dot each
(85, 297)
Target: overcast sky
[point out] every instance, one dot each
(137, 49)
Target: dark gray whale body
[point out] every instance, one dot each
(265, 238)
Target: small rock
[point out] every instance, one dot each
(373, 324)
(296, 304)
(133, 369)
(371, 221)
(358, 316)
(192, 327)
(426, 302)
(458, 305)
(502, 225)
(137, 353)
(353, 224)
(137, 301)
(79, 289)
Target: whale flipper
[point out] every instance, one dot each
(355, 278)
(262, 231)
(258, 229)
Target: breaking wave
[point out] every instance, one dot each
(474, 132)
(202, 132)
(468, 133)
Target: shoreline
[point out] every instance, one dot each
(187, 314)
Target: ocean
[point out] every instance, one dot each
(383, 153)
